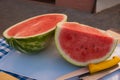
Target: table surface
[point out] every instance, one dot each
(14, 11)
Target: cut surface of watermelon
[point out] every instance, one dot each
(81, 44)
(34, 34)
(36, 25)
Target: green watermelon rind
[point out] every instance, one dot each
(67, 58)
(31, 44)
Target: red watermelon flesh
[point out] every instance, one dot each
(83, 43)
(35, 25)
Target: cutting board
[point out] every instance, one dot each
(47, 65)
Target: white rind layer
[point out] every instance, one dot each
(66, 57)
(7, 36)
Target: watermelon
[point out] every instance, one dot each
(34, 34)
(81, 44)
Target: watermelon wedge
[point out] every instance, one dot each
(34, 34)
(81, 44)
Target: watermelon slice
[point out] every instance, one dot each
(81, 44)
(34, 34)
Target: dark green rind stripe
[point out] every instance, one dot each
(31, 45)
(10, 42)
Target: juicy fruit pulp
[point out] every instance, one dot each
(35, 26)
(34, 34)
(81, 44)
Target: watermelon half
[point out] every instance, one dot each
(81, 44)
(34, 34)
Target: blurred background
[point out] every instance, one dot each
(103, 14)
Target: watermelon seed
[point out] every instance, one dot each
(69, 37)
(81, 46)
(86, 48)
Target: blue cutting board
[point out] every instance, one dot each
(48, 65)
